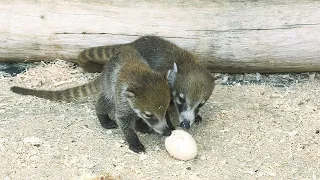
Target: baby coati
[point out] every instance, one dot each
(191, 84)
(129, 88)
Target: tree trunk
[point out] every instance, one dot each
(228, 36)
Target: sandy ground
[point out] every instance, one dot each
(249, 132)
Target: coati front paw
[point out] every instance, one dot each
(137, 148)
(106, 122)
(110, 125)
(198, 119)
(142, 127)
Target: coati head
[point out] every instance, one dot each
(191, 87)
(150, 100)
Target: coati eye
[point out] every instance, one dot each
(147, 114)
(180, 99)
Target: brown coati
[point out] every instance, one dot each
(129, 88)
(191, 86)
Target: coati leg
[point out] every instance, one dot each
(107, 122)
(198, 119)
(142, 127)
(125, 122)
(169, 122)
(103, 109)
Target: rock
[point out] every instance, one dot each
(258, 76)
(312, 76)
(143, 156)
(33, 140)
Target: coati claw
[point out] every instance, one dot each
(137, 148)
(198, 119)
(106, 122)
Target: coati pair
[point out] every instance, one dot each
(190, 85)
(129, 88)
(190, 89)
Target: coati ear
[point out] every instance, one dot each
(128, 94)
(172, 74)
(175, 68)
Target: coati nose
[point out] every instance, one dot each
(185, 124)
(167, 132)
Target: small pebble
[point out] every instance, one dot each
(292, 133)
(143, 157)
(3, 140)
(258, 76)
(157, 148)
(225, 79)
(33, 141)
(312, 76)
(286, 76)
(118, 145)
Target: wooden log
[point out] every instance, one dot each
(228, 36)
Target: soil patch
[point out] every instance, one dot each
(267, 128)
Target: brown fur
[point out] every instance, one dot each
(129, 90)
(62, 95)
(192, 79)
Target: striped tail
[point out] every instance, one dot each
(93, 59)
(66, 95)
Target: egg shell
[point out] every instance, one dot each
(181, 145)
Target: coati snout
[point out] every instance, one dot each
(187, 114)
(159, 125)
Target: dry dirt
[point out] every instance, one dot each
(249, 132)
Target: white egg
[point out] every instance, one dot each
(181, 145)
